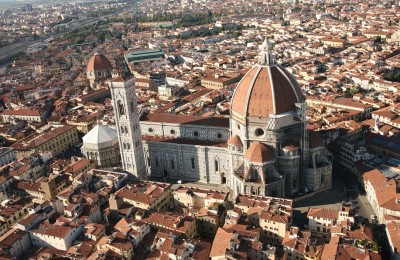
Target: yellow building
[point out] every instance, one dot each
(373, 34)
(23, 114)
(83, 123)
(335, 43)
(56, 141)
(301, 245)
(175, 222)
(220, 80)
(44, 188)
(143, 195)
(208, 206)
(12, 212)
(195, 197)
(78, 166)
(272, 215)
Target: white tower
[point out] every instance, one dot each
(128, 128)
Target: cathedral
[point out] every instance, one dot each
(263, 148)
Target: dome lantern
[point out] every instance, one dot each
(266, 58)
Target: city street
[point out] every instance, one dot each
(332, 199)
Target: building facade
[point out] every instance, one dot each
(262, 149)
(56, 141)
(101, 145)
(128, 127)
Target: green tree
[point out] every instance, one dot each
(378, 39)
(79, 41)
(236, 34)
(353, 91)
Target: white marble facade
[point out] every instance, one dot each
(251, 154)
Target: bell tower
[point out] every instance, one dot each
(127, 124)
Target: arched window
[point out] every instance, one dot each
(132, 107)
(126, 130)
(122, 130)
(121, 109)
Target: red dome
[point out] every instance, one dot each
(259, 153)
(235, 140)
(98, 62)
(267, 88)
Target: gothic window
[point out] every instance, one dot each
(132, 107)
(122, 130)
(121, 109)
(223, 178)
(126, 130)
(193, 166)
(128, 146)
(216, 165)
(172, 164)
(157, 162)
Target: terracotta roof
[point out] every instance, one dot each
(202, 250)
(35, 140)
(98, 62)
(170, 221)
(22, 112)
(187, 120)
(221, 243)
(331, 249)
(351, 252)
(235, 140)
(76, 166)
(323, 213)
(11, 237)
(301, 243)
(144, 192)
(259, 153)
(266, 90)
(53, 230)
(393, 231)
(385, 190)
(244, 231)
(164, 139)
